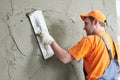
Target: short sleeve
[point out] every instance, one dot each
(81, 49)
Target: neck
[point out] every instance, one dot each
(97, 29)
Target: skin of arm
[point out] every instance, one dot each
(61, 53)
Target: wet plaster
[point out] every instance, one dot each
(22, 53)
(20, 57)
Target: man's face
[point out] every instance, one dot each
(88, 26)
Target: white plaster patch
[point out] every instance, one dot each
(118, 39)
(118, 7)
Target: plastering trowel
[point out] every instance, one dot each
(38, 23)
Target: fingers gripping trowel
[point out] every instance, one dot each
(38, 23)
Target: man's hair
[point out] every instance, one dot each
(92, 19)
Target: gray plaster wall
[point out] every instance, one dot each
(20, 57)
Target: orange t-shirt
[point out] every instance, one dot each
(94, 53)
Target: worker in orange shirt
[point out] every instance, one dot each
(91, 47)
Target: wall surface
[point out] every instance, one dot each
(118, 20)
(20, 57)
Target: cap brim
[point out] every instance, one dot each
(82, 16)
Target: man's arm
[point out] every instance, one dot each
(61, 53)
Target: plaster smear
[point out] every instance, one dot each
(23, 55)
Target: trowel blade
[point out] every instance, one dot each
(37, 20)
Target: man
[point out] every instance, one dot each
(91, 48)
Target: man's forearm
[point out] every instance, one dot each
(61, 53)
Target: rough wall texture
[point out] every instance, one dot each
(20, 58)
